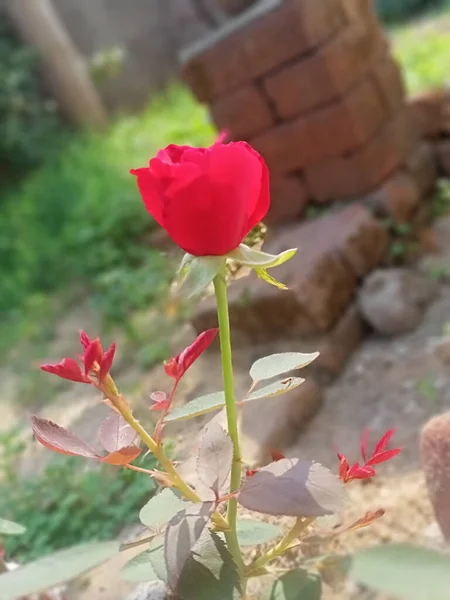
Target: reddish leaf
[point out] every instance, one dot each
(115, 433)
(294, 488)
(92, 354)
(383, 456)
(367, 519)
(161, 401)
(171, 368)
(122, 456)
(67, 369)
(214, 460)
(60, 440)
(182, 532)
(384, 441)
(85, 340)
(107, 361)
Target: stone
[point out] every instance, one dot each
(288, 199)
(264, 37)
(397, 198)
(393, 301)
(422, 165)
(274, 423)
(430, 110)
(442, 150)
(360, 171)
(327, 73)
(152, 590)
(328, 131)
(338, 346)
(334, 251)
(243, 113)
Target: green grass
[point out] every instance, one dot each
(79, 220)
(422, 47)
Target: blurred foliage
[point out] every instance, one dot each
(423, 50)
(80, 217)
(30, 128)
(399, 10)
(69, 502)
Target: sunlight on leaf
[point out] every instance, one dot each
(55, 569)
(160, 509)
(11, 528)
(275, 389)
(251, 532)
(198, 406)
(139, 568)
(276, 364)
(408, 572)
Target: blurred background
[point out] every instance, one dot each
(88, 90)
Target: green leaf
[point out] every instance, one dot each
(251, 532)
(295, 585)
(161, 508)
(263, 274)
(55, 569)
(404, 571)
(10, 528)
(198, 406)
(275, 389)
(276, 364)
(196, 275)
(157, 559)
(139, 568)
(255, 258)
(210, 573)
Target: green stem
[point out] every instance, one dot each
(300, 525)
(220, 287)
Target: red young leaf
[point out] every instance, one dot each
(85, 340)
(383, 456)
(115, 433)
(107, 361)
(60, 440)
(367, 519)
(67, 369)
(364, 441)
(384, 441)
(160, 400)
(177, 367)
(122, 456)
(92, 354)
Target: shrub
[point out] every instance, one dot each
(29, 123)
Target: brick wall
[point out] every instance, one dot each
(314, 88)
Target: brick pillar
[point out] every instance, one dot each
(312, 85)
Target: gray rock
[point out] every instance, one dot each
(393, 301)
(151, 590)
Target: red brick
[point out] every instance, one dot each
(325, 132)
(288, 199)
(389, 82)
(442, 149)
(423, 167)
(397, 198)
(333, 252)
(326, 74)
(263, 38)
(361, 171)
(244, 112)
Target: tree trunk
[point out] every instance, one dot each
(64, 69)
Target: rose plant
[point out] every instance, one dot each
(208, 199)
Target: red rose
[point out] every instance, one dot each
(207, 199)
